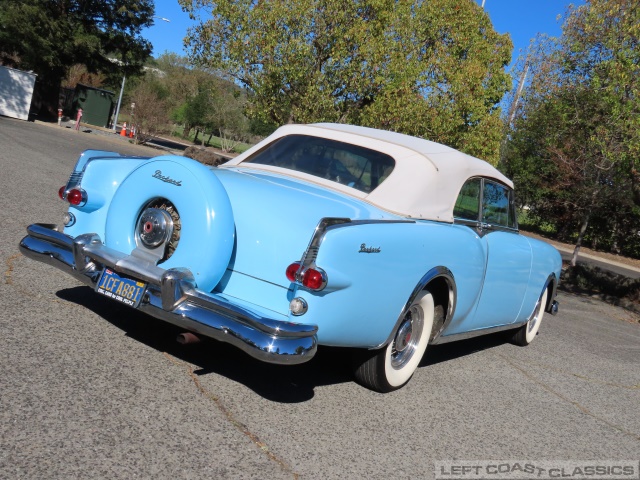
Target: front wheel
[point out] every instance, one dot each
(525, 334)
(393, 366)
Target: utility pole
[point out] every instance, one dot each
(514, 104)
(512, 113)
(124, 77)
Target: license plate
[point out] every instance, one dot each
(121, 289)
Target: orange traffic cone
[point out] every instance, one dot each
(123, 131)
(132, 132)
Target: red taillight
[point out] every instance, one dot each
(61, 192)
(314, 279)
(74, 196)
(292, 270)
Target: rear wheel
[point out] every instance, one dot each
(525, 334)
(393, 366)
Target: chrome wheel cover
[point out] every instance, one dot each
(154, 227)
(158, 229)
(407, 337)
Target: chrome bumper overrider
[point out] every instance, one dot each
(173, 297)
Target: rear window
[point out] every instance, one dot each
(351, 165)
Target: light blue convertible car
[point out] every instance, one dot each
(321, 234)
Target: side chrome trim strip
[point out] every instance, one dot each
(476, 333)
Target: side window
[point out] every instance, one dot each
(468, 202)
(497, 205)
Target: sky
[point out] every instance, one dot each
(522, 19)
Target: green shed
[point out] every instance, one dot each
(97, 105)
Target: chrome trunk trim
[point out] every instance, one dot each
(172, 296)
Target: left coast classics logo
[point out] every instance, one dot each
(166, 178)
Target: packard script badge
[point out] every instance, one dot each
(365, 249)
(166, 178)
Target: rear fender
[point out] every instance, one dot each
(97, 174)
(375, 267)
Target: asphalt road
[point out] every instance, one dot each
(89, 389)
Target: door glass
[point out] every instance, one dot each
(467, 204)
(496, 205)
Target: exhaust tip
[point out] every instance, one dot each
(187, 338)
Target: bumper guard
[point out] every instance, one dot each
(172, 296)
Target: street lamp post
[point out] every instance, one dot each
(115, 120)
(124, 78)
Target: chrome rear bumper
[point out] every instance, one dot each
(173, 297)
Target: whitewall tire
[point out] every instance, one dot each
(393, 366)
(527, 333)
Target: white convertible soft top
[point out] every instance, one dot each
(426, 179)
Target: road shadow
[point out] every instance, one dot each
(450, 351)
(279, 383)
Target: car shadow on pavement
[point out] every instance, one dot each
(279, 383)
(450, 351)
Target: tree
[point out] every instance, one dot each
(203, 99)
(151, 113)
(576, 142)
(179, 78)
(433, 69)
(49, 37)
(226, 117)
(78, 74)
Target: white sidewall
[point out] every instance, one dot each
(398, 377)
(537, 318)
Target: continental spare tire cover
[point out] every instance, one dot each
(205, 221)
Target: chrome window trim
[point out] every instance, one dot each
(479, 224)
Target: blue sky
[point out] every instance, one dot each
(522, 19)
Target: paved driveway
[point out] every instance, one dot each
(90, 389)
